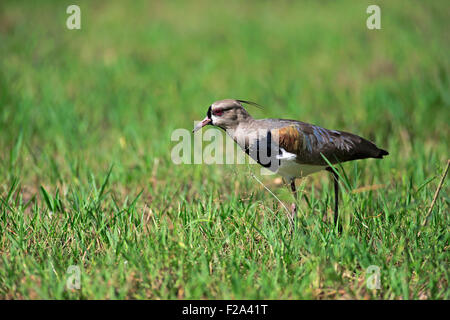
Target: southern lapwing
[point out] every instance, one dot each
(293, 149)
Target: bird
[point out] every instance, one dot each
(290, 148)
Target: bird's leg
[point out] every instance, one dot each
(336, 195)
(294, 205)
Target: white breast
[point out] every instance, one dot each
(289, 168)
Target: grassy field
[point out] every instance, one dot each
(87, 180)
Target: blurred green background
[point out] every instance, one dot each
(75, 102)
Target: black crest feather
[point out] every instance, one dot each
(251, 103)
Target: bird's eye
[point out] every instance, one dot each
(218, 112)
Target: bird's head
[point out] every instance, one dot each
(225, 114)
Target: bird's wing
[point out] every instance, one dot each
(309, 142)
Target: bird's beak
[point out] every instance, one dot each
(202, 124)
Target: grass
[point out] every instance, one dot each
(86, 177)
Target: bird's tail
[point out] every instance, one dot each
(381, 153)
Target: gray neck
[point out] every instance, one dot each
(242, 132)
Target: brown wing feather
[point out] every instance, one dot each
(310, 142)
